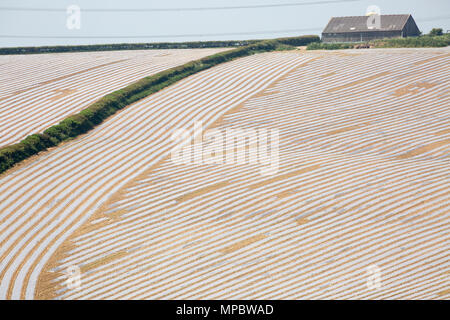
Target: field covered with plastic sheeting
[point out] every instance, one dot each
(358, 206)
(37, 91)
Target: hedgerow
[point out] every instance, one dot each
(426, 41)
(329, 46)
(294, 41)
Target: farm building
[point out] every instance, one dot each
(358, 29)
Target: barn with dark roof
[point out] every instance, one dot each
(365, 28)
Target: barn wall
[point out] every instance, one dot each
(411, 29)
(359, 36)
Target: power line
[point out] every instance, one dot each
(163, 36)
(435, 18)
(256, 6)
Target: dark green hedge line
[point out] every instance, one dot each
(294, 41)
(125, 46)
(425, 41)
(97, 112)
(299, 41)
(329, 46)
(414, 42)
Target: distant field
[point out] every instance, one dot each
(67, 185)
(363, 180)
(37, 91)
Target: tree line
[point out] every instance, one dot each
(295, 41)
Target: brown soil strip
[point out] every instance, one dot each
(423, 149)
(68, 76)
(444, 293)
(202, 191)
(103, 261)
(329, 74)
(284, 176)
(443, 132)
(302, 221)
(413, 88)
(431, 59)
(357, 82)
(243, 243)
(346, 54)
(345, 129)
(61, 93)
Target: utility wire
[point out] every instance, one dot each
(256, 6)
(427, 19)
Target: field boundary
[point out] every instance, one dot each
(108, 105)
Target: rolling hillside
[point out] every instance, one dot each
(363, 180)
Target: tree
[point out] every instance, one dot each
(436, 32)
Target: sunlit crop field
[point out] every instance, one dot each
(363, 184)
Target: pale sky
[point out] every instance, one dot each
(104, 21)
